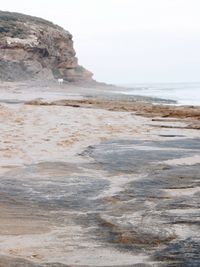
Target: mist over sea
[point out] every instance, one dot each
(183, 93)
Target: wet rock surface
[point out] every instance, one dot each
(159, 212)
(131, 156)
(125, 200)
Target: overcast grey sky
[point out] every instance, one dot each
(128, 41)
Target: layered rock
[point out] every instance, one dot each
(31, 47)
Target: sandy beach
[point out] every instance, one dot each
(90, 177)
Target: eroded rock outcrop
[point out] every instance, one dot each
(32, 47)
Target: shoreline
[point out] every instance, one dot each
(182, 94)
(90, 178)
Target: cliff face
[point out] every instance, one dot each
(32, 47)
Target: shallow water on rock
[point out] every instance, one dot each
(154, 214)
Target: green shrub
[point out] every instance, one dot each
(79, 69)
(4, 29)
(7, 18)
(56, 72)
(16, 32)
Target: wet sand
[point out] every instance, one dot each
(92, 178)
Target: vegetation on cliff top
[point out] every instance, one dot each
(6, 16)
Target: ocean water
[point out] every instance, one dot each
(182, 93)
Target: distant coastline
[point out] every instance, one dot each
(182, 93)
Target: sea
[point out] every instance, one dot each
(182, 93)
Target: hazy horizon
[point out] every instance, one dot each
(128, 41)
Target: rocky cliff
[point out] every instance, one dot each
(32, 47)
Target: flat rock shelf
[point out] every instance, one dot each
(154, 209)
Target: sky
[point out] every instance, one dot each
(127, 41)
